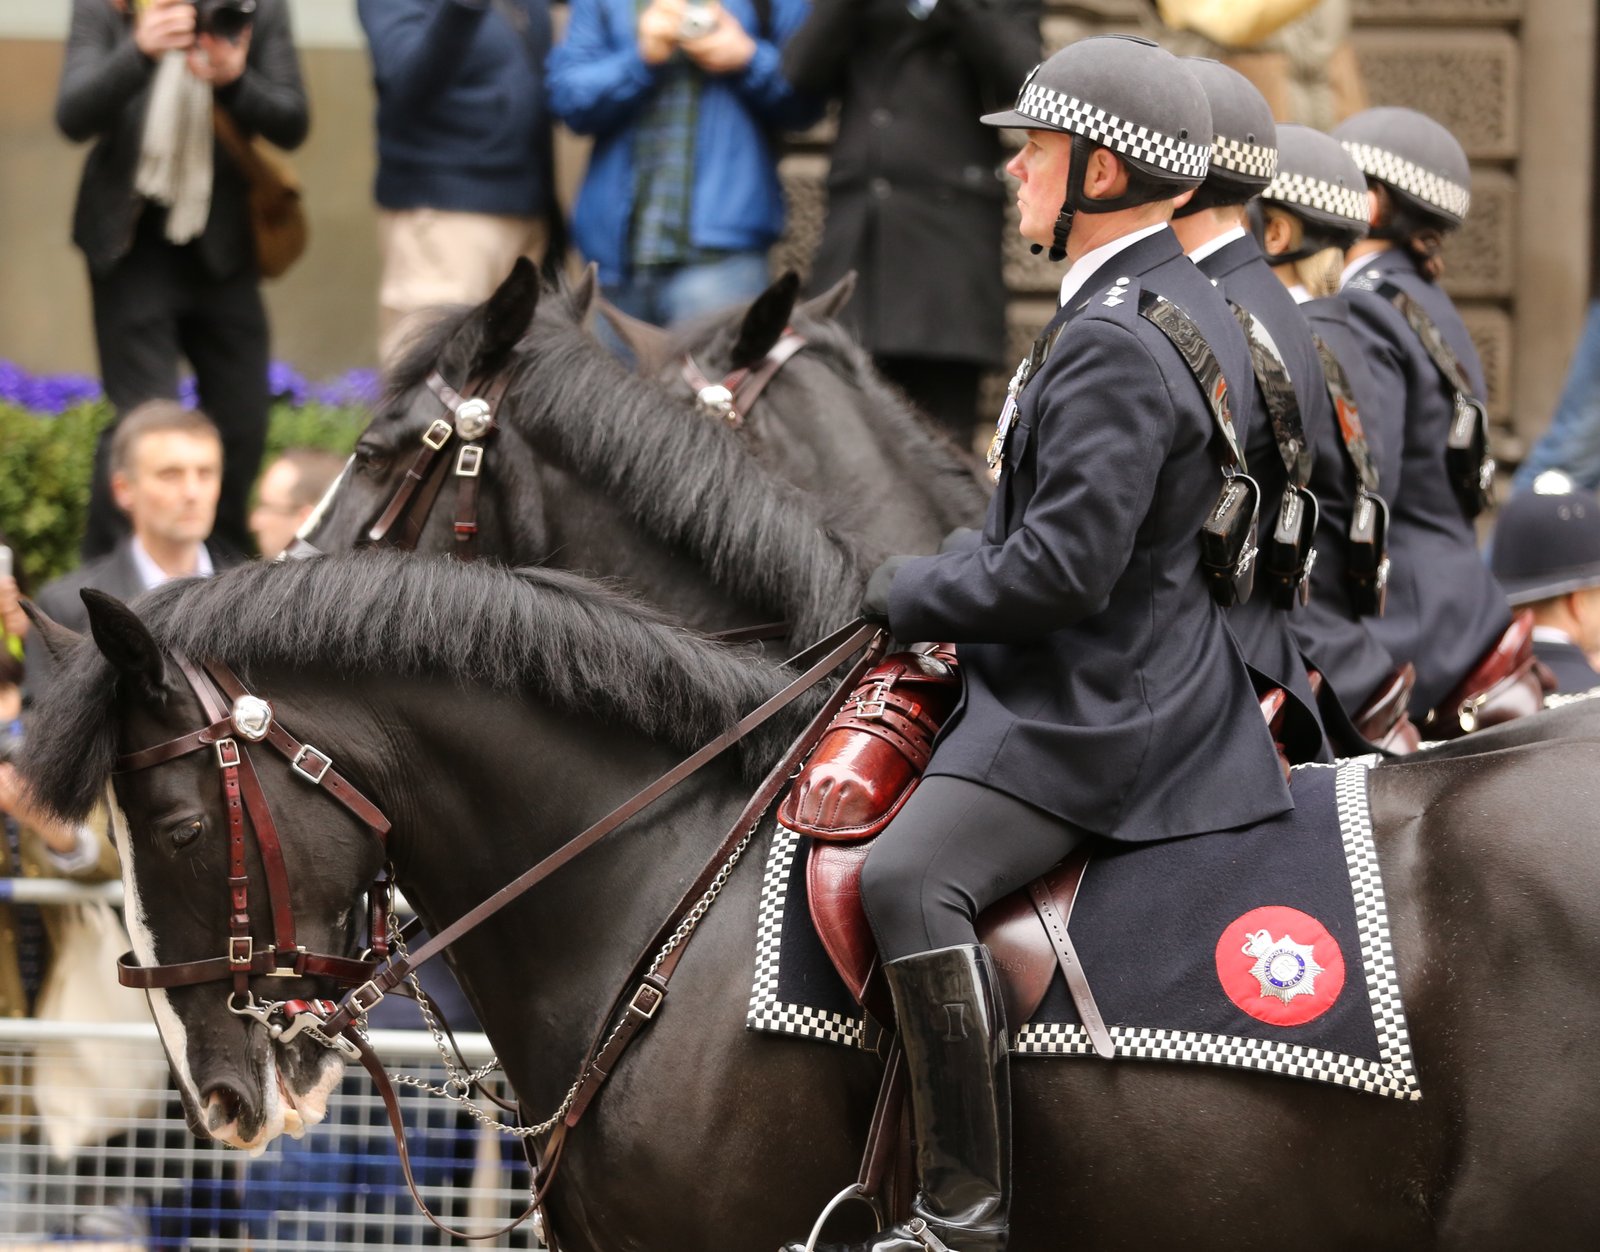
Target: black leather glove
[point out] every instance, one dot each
(961, 539)
(875, 600)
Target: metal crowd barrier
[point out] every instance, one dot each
(139, 1179)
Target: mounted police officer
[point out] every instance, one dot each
(1293, 408)
(1104, 696)
(1312, 212)
(1446, 614)
(1547, 557)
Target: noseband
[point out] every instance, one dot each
(737, 393)
(251, 719)
(473, 422)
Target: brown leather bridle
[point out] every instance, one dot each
(473, 421)
(734, 397)
(236, 718)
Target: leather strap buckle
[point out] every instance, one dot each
(227, 751)
(365, 997)
(469, 461)
(241, 950)
(293, 969)
(437, 435)
(646, 1001)
(321, 763)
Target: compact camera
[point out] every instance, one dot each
(224, 19)
(698, 19)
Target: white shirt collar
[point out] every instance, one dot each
(1357, 266)
(1083, 269)
(152, 575)
(1551, 634)
(1217, 244)
(1300, 294)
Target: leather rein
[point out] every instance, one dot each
(734, 397)
(379, 973)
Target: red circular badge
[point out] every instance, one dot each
(1280, 965)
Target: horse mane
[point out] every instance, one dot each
(686, 481)
(579, 643)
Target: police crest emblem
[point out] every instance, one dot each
(1284, 968)
(1280, 965)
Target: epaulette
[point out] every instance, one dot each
(1118, 302)
(1366, 280)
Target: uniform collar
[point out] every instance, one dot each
(1379, 263)
(1213, 246)
(152, 575)
(1299, 294)
(1550, 634)
(1084, 268)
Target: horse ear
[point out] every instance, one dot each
(832, 301)
(58, 640)
(584, 293)
(765, 321)
(125, 641)
(509, 312)
(649, 344)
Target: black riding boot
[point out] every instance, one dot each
(952, 1025)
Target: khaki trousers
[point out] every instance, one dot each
(437, 256)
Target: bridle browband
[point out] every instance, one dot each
(473, 421)
(237, 718)
(734, 397)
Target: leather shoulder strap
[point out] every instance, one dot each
(1277, 392)
(1191, 344)
(1433, 342)
(1349, 417)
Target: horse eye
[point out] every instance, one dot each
(186, 833)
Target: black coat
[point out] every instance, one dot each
(1266, 633)
(1445, 608)
(1569, 664)
(1340, 642)
(1101, 682)
(914, 174)
(104, 92)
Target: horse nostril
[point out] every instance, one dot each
(223, 1106)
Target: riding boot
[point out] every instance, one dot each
(952, 1025)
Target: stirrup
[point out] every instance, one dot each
(855, 1191)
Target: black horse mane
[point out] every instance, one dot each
(688, 482)
(578, 643)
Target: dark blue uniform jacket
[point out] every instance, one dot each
(1101, 683)
(1445, 608)
(1267, 634)
(1342, 644)
(1569, 664)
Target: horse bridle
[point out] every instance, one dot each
(237, 718)
(734, 397)
(472, 422)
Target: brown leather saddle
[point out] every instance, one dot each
(1508, 683)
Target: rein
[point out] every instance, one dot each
(737, 393)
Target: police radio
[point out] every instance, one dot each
(1228, 541)
(1367, 554)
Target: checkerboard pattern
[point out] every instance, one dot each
(1442, 193)
(1558, 700)
(1252, 160)
(768, 1012)
(1055, 109)
(1348, 203)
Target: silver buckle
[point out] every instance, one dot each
(314, 776)
(437, 435)
(469, 461)
(869, 709)
(359, 997)
(227, 751)
(651, 992)
(241, 950)
(285, 971)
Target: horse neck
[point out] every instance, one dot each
(485, 787)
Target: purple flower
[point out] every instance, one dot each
(54, 394)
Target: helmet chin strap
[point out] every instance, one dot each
(1141, 190)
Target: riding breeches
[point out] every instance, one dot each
(955, 849)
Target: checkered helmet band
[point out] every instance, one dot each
(1248, 160)
(1059, 111)
(1324, 197)
(1444, 194)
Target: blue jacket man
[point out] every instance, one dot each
(601, 85)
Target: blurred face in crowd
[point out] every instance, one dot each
(170, 486)
(276, 518)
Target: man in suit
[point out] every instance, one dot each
(1547, 558)
(1103, 695)
(166, 474)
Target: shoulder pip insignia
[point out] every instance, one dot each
(1115, 294)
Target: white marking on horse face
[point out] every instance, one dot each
(168, 1023)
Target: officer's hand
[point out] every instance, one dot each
(961, 539)
(658, 31)
(726, 50)
(875, 600)
(164, 26)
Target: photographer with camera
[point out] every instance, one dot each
(681, 200)
(163, 218)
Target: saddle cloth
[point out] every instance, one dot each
(1265, 949)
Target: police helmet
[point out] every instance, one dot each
(1321, 184)
(1547, 545)
(1244, 142)
(1128, 95)
(1413, 156)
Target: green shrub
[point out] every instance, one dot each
(45, 464)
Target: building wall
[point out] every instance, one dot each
(1513, 78)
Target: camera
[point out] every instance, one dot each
(699, 18)
(224, 19)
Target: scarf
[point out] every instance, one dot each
(176, 151)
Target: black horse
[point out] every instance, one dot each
(492, 714)
(600, 470)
